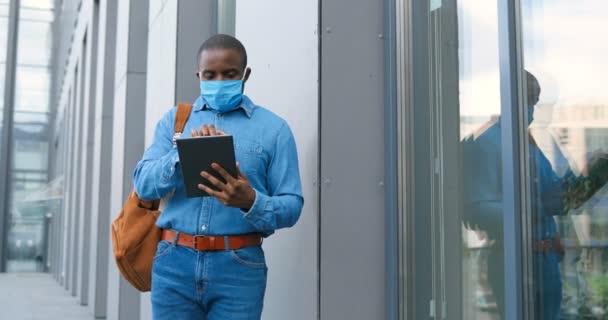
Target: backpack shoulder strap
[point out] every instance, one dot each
(181, 116)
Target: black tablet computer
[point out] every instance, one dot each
(198, 153)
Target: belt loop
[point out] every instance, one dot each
(226, 243)
(175, 239)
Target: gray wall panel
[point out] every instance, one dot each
(72, 195)
(102, 164)
(195, 23)
(91, 15)
(352, 161)
(76, 167)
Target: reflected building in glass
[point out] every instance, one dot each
(27, 132)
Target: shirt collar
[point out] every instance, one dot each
(246, 105)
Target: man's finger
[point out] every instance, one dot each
(204, 130)
(241, 173)
(220, 133)
(223, 173)
(212, 131)
(213, 180)
(193, 132)
(211, 192)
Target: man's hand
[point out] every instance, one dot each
(236, 192)
(206, 130)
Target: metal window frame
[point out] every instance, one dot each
(519, 302)
(404, 77)
(6, 144)
(390, 163)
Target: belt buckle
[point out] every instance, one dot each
(195, 242)
(545, 246)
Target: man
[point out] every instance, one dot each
(484, 207)
(210, 264)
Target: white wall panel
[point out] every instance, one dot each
(162, 40)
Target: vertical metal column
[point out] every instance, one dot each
(102, 164)
(513, 155)
(404, 88)
(6, 145)
(391, 139)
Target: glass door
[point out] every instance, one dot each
(468, 150)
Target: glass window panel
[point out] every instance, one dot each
(34, 43)
(3, 39)
(31, 117)
(33, 78)
(4, 9)
(32, 92)
(28, 14)
(565, 51)
(2, 84)
(3, 49)
(481, 157)
(32, 100)
(30, 136)
(467, 150)
(38, 4)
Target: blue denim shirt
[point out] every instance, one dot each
(483, 185)
(266, 151)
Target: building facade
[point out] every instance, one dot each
(420, 162)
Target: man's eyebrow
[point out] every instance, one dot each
(208, 71)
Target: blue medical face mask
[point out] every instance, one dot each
(222, 95)
(530, 115)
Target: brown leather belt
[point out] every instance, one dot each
(213, 243)
(547, 246)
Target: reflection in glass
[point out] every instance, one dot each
(564, 48)
(479, 109)
(30, 135)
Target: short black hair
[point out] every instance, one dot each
(223, 41)
(533, 89)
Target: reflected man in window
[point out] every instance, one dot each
(482, 166)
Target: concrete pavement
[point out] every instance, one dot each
(34, 296)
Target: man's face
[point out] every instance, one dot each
(221, 64)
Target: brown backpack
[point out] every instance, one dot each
(134, 232)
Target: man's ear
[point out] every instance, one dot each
(247, 74)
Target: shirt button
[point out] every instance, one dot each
(204, 228)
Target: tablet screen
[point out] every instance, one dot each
(196, 154)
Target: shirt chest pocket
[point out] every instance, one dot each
(251, 156)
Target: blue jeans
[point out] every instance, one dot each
(211, 285)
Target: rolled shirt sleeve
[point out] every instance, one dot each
(154, 176)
